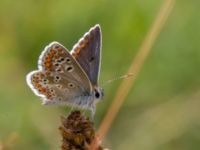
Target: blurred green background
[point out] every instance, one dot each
(162, 111)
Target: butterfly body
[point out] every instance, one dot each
(70, 78)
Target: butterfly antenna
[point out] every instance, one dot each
(118, 78)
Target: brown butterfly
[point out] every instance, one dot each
(70, 78)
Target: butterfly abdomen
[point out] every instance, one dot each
(83, 102)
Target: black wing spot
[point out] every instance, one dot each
(71, 85)
(56, 46)
(68, 60)
(62, 59)
(57, 77)
(91, 59)
(58, 70)
(70, 68)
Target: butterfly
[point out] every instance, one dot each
(70, 78)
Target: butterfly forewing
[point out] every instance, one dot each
(59, 78)
(88, 53)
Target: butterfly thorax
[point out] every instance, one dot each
(88, 101)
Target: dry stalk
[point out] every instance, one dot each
(135, 67)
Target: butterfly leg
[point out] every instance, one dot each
(93, 110)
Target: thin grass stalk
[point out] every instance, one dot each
(135, 67)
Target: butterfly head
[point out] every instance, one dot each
(98, 93)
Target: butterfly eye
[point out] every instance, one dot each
(97, 95)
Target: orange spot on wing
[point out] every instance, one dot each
(47, 65)
(43, 90)
(52, 51)
(86, 40)
(82, 45)
(49, 96)
(37, 85)
(76, 52)
(48, 59)
(41, 75)
(60, 49)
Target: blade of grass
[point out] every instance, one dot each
(135, 67)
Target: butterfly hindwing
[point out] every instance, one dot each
(88, 53)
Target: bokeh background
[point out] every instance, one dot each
(162, 111)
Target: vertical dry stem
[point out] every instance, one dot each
(136, 66)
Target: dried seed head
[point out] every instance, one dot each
(77, 132)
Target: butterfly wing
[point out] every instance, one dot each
(60, 78)
(88, 53)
